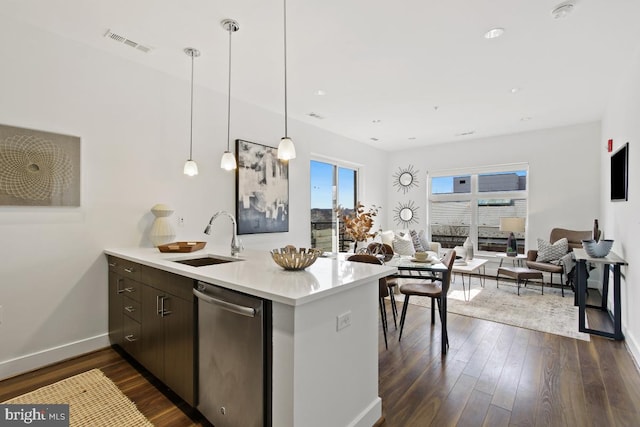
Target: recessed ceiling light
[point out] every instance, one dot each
(494, 33)
(374, 139)
(376, 121)
(515, 89)
(320, 92)
(562, 10)
(471, 132)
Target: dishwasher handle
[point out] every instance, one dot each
(234, 308)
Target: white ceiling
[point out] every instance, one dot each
(421, 67)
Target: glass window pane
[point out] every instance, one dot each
(490, 238)
(322, 214)
(450, 222)
(451, 185)
(347, 200)
(326, 196)
(502, 181)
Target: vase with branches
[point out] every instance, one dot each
(358, 223)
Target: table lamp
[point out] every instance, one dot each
(512, 225)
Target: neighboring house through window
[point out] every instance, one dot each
(470, 202)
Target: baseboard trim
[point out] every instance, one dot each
(29, 362)
(370, 416)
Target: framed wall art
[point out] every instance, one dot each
(38, 168)
(262, 189)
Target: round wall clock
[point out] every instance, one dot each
(405, 214)
(405, 179)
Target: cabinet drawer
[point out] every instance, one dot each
(124, 267)
(131, 336)
(131, 308)
(131, 289)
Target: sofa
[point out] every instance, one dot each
(408, 242)
(556, 255)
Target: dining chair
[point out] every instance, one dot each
(386, 251)
(431, 288)
(383, 290)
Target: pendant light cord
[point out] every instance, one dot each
(229, 95)
(285, 70)
(191, 123)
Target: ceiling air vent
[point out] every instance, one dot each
(122, 39)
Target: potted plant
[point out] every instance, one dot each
(511, 252)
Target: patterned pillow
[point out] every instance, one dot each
(402, 245)
(552, 252)
(417, 244)
(422, 235)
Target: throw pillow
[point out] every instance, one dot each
(426, 244)
(387, 237)
(417, 244)
(552, 252)
(402, 245)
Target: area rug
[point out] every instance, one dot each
(546, 313)
(93, 399)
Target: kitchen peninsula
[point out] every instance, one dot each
(321, 375)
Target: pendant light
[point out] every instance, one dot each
(191, 167)
(228, 161)
(286, 149)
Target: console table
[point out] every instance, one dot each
(610, 261)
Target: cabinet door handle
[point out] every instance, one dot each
(130, 338)
(163, 311)
(113, 264)
(118, 289)
(130, 308)
(129, 289)
(129, 269)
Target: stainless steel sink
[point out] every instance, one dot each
(206, 260)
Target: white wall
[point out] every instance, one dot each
(620, 219)
(134, 128)
(564, 177)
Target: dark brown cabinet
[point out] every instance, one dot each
(153, 318)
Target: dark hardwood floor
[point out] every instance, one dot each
(493, 375)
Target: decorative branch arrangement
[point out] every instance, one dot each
(358, 223)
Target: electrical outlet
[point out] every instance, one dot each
(343, 320)
(181, 221)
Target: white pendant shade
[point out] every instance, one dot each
(228, 161)
(190, 168)
(286, 149)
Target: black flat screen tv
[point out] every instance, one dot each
(620, 174)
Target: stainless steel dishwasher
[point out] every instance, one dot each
(234, 357)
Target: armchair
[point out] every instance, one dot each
(564, 265)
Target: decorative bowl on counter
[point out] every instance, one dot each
(291, 258)
(182, 246)
(597, 249)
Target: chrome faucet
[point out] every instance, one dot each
(236, 244)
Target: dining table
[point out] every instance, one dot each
(409, 267)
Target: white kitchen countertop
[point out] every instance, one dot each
(256, 273)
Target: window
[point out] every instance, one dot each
(470, 204)
(332, 185)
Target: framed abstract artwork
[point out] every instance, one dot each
(262, 189)
(38, 168)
